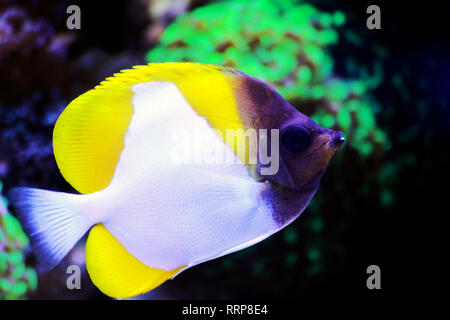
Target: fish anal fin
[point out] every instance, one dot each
(116, 272)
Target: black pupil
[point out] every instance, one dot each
(296, 139)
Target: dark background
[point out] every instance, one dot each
(37, 82)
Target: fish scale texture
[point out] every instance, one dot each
(168, 213)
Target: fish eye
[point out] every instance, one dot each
(296, 139)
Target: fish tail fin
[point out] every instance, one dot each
(54, 221)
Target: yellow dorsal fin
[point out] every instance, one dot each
(88, 136)
(117, 273)
(209, 89)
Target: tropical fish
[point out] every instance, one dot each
(151, 215)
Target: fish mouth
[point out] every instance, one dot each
(337, 139)
(334, 141)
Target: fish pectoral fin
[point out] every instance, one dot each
(116, 272)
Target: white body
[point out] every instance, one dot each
(170, 214)
(165, 212)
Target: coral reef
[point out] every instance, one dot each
(16, 277)
(286, 44)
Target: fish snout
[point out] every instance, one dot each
(337, 138)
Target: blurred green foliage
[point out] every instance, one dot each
(287, 44)
(16, 278)
(284, 43)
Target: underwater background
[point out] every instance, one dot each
(387, 90)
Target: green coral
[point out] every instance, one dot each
(284, 43)
(287, 44)
(16, 278)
